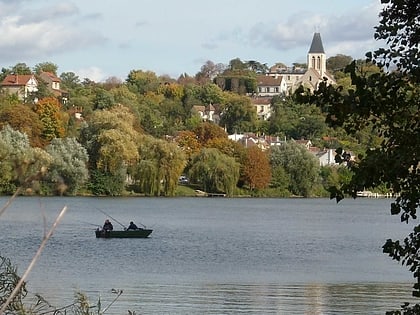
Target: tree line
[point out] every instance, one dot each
(140, 135)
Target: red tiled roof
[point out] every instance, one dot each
(16, 80)
(51, 76)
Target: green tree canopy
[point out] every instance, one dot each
(52, 118)
(301, 167)
(214, 171)
(46, 67)
(239, 114)
(159, 166)
(388, 102)
(68, 170)
(141, 82)
(21, 165)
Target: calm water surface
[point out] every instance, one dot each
(214, 255)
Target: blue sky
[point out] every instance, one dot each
(99, 39)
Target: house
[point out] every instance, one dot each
(250, 140)
(262, 106)
(207, 113)
(53, 85)
(23, 85)
(306, 143)
(271, 85)
(326, 157)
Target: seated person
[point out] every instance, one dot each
(107, 226)
(132, 226)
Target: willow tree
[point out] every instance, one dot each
(159, 167)
(215, 171)
(111, 140)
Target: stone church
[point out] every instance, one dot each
(310, 77)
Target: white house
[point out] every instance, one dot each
(271, 85)
(262, 106)
(20, 84)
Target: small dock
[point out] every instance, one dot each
(215, 195)
(200, 193)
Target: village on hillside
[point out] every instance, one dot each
(278, 81)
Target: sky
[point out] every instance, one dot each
(98, 39)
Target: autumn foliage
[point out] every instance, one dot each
(256, 169)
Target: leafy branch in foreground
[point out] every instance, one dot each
(388, 103)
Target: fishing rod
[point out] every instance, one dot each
(85, 222)
(112, 218)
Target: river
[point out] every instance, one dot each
(213, 255)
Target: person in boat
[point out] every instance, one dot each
(132, 226)
(107, 226)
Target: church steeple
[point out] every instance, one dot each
(316, 55)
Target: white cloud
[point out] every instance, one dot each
(36, 34)
(95, 74)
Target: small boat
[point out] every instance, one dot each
(140, 233)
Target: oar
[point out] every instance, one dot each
(113, 219)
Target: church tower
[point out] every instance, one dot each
(317, 59)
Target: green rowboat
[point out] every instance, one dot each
(140, 233)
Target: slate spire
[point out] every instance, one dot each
(316, 46)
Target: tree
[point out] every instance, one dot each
(388, 102)
(69, 80)
(173, 91)
(257, 67)
(21, 68)
(46, 67)
(159, 167)
(187, 141)
(142, 82)
(338, 62)
(239, 114)
(207, 131)
(52, 119)
(209, 71)
(103, 99)
(148, 114)
(68, 170)
(301, 167)
(21, 165)
(110, 138)
(294, 120)
(210, 93)
(214, 171)
(257, 172)
(22, 118)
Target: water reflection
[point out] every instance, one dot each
(311, 299)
